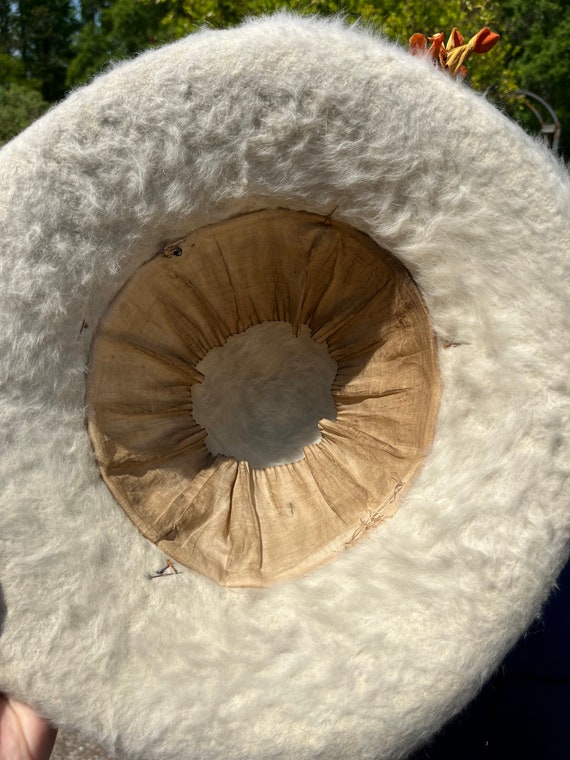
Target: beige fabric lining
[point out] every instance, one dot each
(235, 524)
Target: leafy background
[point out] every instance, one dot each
(48, 47)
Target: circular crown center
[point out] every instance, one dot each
(264, 393)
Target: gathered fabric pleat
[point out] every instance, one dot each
(239, 525)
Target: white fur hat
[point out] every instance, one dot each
(369, 654)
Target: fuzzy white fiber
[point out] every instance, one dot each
(368, 655)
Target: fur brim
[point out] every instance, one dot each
(366, 656)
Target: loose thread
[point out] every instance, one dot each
(327, 219)
(163, 573)
(374, 518)
(451, 343)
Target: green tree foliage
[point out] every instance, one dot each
(42, 36)
(113, 31)
(19, 106)
(20, 94)
(5, 24)
(540, 56)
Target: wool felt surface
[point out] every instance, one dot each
(368, 655)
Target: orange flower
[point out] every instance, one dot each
(452, 56)
(418, 44)
(455, 39)
(437, 48)
(484, 40)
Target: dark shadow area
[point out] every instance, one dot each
(3, 610)
(523, 711)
